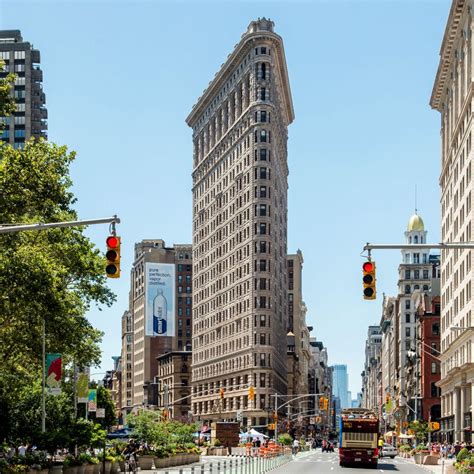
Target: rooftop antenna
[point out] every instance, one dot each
(416, 210)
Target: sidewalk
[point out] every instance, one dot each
(444, 465)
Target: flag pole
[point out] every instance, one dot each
(43, 394)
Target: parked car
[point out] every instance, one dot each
(388, 451)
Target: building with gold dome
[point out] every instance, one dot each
(414, 273)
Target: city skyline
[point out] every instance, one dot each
(319, 301)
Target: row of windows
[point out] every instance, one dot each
(5, 55)
(415, 287)
(416, 274)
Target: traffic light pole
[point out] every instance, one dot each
(440, 246)
(7, 229)
(287, 403)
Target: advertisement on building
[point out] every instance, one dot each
(159, 299)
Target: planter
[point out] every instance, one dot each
(122, 465)
(418, 458)
(56, 469)
(145, 462)
(159, 462)
(89, 468)
(80, 469)
(97, 468)
(108, 467)
(70, 470)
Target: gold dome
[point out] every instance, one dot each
(416, 223)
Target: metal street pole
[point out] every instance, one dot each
(440, 246)
(276, 417)
(7, 229)
(43, 389)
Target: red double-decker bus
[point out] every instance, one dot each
(358, 437)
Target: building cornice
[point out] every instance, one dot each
(232, 62)
(446, 53)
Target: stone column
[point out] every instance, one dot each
(212, 131)
(456, 411)
(245, 93)
(231, 108)
(462, 410)
(219, 124)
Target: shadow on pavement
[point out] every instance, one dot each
(385, 466)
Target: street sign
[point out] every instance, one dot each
(312, 420)
(100, 413)
(240, 415)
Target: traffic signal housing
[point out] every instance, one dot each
(251, 392)
(369, 280)
(321, 403)
(221, 393)
(112, 268)
(326, 404)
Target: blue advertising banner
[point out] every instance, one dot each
(159, 299)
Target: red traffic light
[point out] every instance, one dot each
(112, 242)
(368, 267)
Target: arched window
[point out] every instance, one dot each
(425, 288)
(409, 239)
(407, 289)
(416, 287)
(416, 239)
(421, 239)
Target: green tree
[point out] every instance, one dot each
(7, 101)
(420, 430)
(50, 277)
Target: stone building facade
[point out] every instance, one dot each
(146, 348)
(29, 120)
(174, 384)
(240, 230)
(452, 97)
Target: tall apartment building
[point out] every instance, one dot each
(340, 384)
(160, 313)
(126, 385)
(390, 359)
(372, 394)
(297, 324)
(22, 59)
(452, 98)
(240, 230)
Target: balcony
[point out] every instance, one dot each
(37, 74)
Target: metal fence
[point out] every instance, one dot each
(242, 465)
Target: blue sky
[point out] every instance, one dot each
(120, 78)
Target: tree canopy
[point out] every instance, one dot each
(50, 276)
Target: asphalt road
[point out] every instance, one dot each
(328, 463)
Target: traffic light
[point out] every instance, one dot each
(369, 280)
(221, 393)
(275, 416)
(112, 268)
(165, 414)
(321, 403)
(433, 426)
(251, 392)
(271, 426)
(326, 404)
